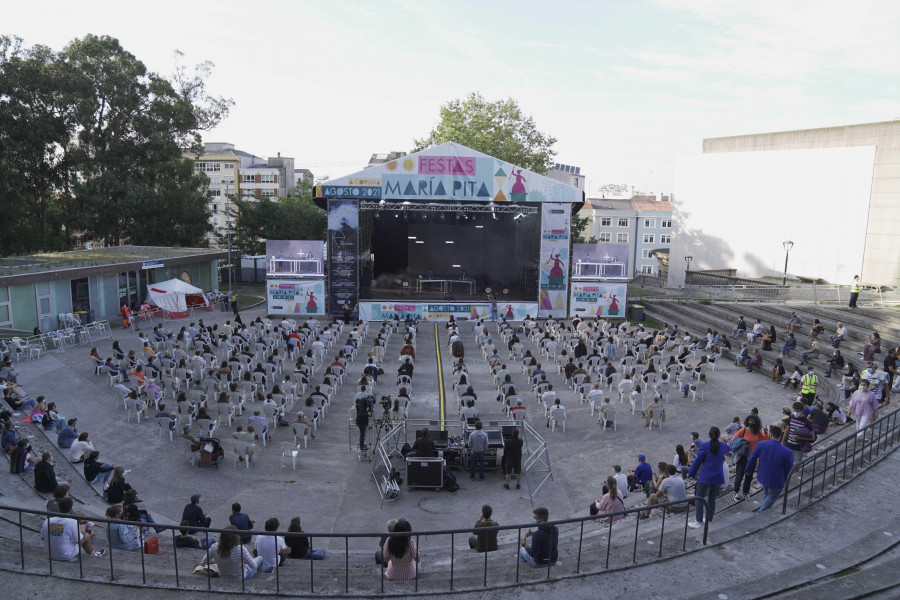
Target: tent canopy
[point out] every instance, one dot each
(449, 172)
(174, 295)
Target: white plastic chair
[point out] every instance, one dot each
(610, 417)
(226, 410)
(133, 407)
(656, 417)
(165, 424)
(187, 448)
(291, 450)
(300, 431)
(558, 417)
(207, 427)
(242, 449)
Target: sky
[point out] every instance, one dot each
(624, 86)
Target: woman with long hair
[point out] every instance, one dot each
(401, 553)
(232, 558)
(115, 493)
(612, 501)
(681, 461)
(709, 461)
(753, 433)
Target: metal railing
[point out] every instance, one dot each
(824, 295)
(848, 455)
(499, 567)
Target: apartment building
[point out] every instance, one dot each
(645, 224)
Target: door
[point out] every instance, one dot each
(42, 297)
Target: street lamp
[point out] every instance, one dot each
(228, 235)
(688, 260)
(787, 248)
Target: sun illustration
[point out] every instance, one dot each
(408, 164)
(391, 165)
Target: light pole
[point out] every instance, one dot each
(228, 235)
(787, 249)
(687, 260)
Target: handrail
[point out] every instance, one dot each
(810, 469)
(205, 532)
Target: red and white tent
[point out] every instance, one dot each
(175, 296)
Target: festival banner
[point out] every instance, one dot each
(343, 254)
(598, 299)
(554, 259)
(295, 297)
(442, 311)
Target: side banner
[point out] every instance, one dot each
(294, 297)
(555, 218)
(343, 254)
(379, 311)
(598, 299)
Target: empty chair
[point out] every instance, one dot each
(242, 450)
(292, 451)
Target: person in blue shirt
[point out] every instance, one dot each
(241, 521)
(68, 433)
(9, 439)
(122, 536)
(790, 344)
(708, 463)
(640, 475)
(775, 463)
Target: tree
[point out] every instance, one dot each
(579, 229)
(495, 128)
(92, 143)
(293, 218)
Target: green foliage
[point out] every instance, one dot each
(495, 128)
(579, 229)
(293, 218)
(91, 144)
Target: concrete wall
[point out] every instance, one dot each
(734, 210)
(881, 260)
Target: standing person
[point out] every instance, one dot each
(362, 420)
(544, 547)
(854, 291)
(863, 405)
(808, 385)
(234, 303)
(493, 307)
(512, 454)
(750, 434)
(346, 309)
(708, 463)
(890, 369)
(478, 445)
(799, 432)
(775, 464)
(487, 540)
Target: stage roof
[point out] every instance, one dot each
(449, 172)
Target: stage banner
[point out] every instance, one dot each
(555, 219)
(432, 311)
(598, 299)
(343, 254)
(296, 297)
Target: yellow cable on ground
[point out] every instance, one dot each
(440, 371)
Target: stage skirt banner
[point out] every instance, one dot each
(343, 254)
(555, 218)
(597, 299)
(433, 311)
(296, 297)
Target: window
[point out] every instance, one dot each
(206, 167)
(647, 270)
(621, 238)
(665, 239)
(228, 166)
(606, 222)
(623, 222)
(214, 193)
(606, 237)
(214, 180)
(667, 223)
(270, 178)
(650, 223)
(248, 192)
(247, 178)
(267, 193)
(575, 182)
(649, 238)
(645, 254)
(215, 208)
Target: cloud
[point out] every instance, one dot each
(652, 75)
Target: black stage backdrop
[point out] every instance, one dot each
(398, 248)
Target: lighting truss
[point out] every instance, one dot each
(502, 208)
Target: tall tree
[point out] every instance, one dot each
(293, 218)
(495, 128)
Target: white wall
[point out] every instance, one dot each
(734, 210)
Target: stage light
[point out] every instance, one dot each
(419, 242)
(449, 242)
(442, 216)
(456, 266)
(411, 237)
(479, 227)
(397, 216)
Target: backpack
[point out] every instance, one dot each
(450, 482)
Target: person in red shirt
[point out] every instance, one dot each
(752, 432)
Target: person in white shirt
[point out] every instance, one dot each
(670, 490)
(80, 448)
(62, 536)
(271, 548)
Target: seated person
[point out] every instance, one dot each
(186, 540)
(122, 536)
(655, 403)
(423, 447)
(743, 355)
(271, 548)
(248, 437)
(68, 433)
(819, 418)
(163, 413)
(63, 536)
(94, 469)
(670, 489)
(793, 379)
(485, 541)
(543, 549)
(260, 424)
(468, 413)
